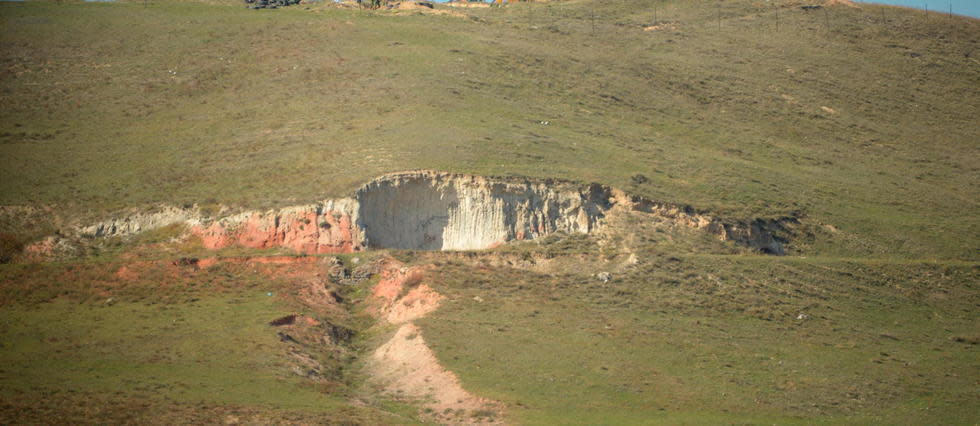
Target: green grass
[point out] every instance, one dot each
(85, 342)
(203, 347)
(294, 105)
(709, 339)
(679, 337)
(110, 106)
(217, 351)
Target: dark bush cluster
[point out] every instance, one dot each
(10, 246)
(270, 4)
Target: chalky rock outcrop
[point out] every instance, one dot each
(427, 210)
(418, 211)
(441, 211)
(138, 222)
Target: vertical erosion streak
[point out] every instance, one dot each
(435, 211)
(475, 222)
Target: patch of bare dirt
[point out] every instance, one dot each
(663, 26)
(48, 249)
(424, 7)
(400, 295)
(416, 304)
(394, 275)
(467, 4)
(847, 3)
(407, 366)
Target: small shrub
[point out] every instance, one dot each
(482, 413)
(970, 340)
(10, 246)
(414, 279)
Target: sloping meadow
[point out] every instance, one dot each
(857, 124)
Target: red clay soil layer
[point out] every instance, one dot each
(306, 232)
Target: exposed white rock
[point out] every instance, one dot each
(139, 222)
(442, 211)
(427, 210)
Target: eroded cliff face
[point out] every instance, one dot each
(757, 233)
(326, 227)
(441, 211)
(426, 210)
(139, 222)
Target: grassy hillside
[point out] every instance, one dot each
(860, 121)
(866, 125)
(687, 335)
(750, 342)
(165, 342)
(681, 336)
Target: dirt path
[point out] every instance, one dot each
(406, 366)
